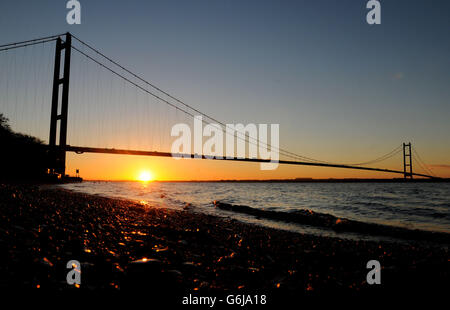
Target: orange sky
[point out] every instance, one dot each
(128, 167)
(341, 90)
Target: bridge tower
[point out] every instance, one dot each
(407, 161)
(57, 164)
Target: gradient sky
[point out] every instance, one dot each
(341, 90)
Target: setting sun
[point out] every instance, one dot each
(145, 176)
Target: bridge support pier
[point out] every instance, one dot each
(57, 155)
(407, 161)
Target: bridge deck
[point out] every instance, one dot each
(80, 150)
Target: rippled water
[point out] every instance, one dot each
(412, 205)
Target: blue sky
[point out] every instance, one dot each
(341, 89)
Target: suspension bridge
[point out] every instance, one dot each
(65, 62)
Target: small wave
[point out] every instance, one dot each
(309, 217)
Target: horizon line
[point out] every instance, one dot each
(268, 180)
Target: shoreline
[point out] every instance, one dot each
(122, 244)
(298, 180)
(304, 221)
(328, 222)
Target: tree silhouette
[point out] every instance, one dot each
(4, 124)
(22, 157)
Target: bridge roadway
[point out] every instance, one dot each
(81, 150)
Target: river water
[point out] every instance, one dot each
(423, 206)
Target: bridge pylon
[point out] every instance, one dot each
(57, 162)
(407, 161)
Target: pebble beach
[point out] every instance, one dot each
(125, 246)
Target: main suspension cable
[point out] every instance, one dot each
(154, 95)
(284, 152)
(24, 45)
(33, 40)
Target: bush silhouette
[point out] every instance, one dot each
(23, 157)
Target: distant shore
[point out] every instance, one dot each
(297, 180)
(126, 246)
